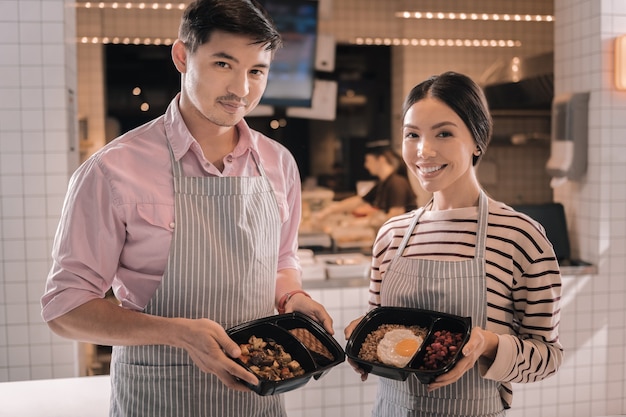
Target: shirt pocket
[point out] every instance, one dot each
(155, 215)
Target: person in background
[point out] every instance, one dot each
(466, 254)
(390, 196)
(192, 219)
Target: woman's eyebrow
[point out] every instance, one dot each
(442, 124)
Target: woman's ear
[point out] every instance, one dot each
(179, 56)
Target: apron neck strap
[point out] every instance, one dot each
(481, 231)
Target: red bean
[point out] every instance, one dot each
(442, 349)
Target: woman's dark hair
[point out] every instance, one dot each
(390, 155)
(464, 97)
(240, 17)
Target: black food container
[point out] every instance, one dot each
(283, 329)
(433, 321)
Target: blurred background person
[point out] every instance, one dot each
(391, 195)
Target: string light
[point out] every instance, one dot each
(474, 16)
(482, 43)
(130, 5)
(126, 41)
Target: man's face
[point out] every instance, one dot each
(224, 79)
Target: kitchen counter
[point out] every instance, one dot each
(321, 280)
(63, 397)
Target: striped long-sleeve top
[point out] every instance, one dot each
(523, 283)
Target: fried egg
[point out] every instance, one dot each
(398, 346)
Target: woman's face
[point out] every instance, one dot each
(438, 147)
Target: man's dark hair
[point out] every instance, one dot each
(239, 17)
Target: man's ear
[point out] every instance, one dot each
(179, 56)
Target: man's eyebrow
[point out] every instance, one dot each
(224, 55)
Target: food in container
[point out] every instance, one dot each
(304, 340)
(443, 335)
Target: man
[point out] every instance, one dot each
(192, 219)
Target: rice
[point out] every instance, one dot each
(370, 344)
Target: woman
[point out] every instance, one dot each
(392, 195)
(466, 254)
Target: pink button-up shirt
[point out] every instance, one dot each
(118, 218)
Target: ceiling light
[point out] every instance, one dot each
(484, 43)
(473, 16)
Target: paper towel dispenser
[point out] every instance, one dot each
(569, 137)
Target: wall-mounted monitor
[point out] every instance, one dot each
(291, 77)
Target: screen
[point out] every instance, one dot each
(291, 76)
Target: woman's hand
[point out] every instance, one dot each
(347, 333)
(481, 343)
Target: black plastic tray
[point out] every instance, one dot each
(428, 319)
(277, 327)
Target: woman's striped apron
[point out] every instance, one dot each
(451, 287)
(222, 266)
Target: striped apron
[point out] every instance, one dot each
(446, 286)
(222, 266)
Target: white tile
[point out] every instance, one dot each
(52, 11)
(10, 142)
(10, 121)
(30, 98)
(14, 271)
(65, 353)
(33, 141)
(9, 34)
(64, 370)
(313, 398)
(54, 76)
(54, 54)
(33, 163)
(10, 164)
(19, 373)
(55, 119)
(313, 412)
(40, 355)
(17, 337)
(16, 315)
(15, 293)
(39, 334)
(30, 33)
(13, 230)
(9, 76)
(54, 97)
(41, 372)
(56, 184)
(4, 360)
(35, 229)
(53, 33)
(32, 120)
(37, 248)
(34, 185)
(30, 10)
(31, 76)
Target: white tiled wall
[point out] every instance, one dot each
(340, 392)
(37, 153)
(38, 78)
(595, 331)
